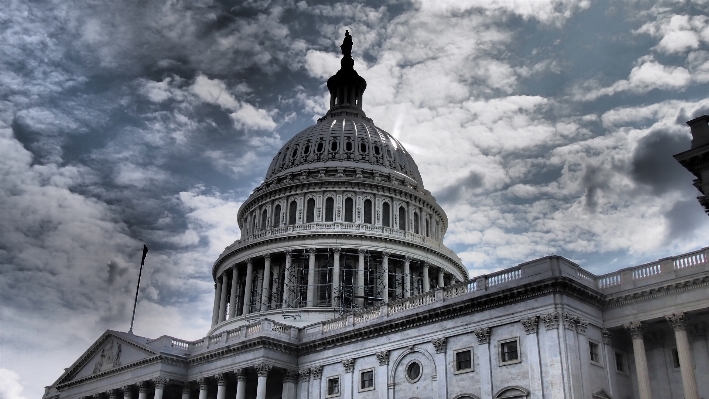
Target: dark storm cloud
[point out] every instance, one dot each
(454, 192)
(653, 165)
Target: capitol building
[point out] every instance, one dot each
(341, 287)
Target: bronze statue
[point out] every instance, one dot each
(346, 46)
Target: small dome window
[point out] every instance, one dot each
(413, 371)
(349, 146)
(294, 153)
(376, 150)
(320, 147)
(363, 147)
(306, 149)
(333, 146)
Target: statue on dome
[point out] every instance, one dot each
(346, 46)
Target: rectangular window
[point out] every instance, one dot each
(333, 386)
(619, 362)
(509, 351)
(675, 358)
(366, 380)
(464, 360)
(593, 349)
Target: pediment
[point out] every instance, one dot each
(112, 350)
(601, 394)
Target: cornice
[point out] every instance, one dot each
(655, 291)
(240, 347)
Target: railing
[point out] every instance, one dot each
(180, 344)
(504, 276)
(583, 274)
(460, 289)
(233, 334)
(365, 316)
(646, 271)
(280, 328)
(254, 328)
(689, 260)
(411, 303)
(334, 324)
(609, 280)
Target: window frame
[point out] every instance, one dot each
(599, 353)
(406, 371)
(624, 361)
(374, 382)
(327, 386)
(310, 210)
(329, 215)
(501, 344)
(386, 216)
(455, 360)
(349, 210)
(369, 220)
(674, 355)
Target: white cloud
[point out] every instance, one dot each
(250, 117)
(679, 33)
(10, 386)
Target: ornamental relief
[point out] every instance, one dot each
(109, 358)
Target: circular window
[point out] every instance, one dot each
(413, 371)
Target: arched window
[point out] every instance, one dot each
(416, 222)
(402, 218)
(277, 216)
(427, 231)
(292, 212)
(349, 210)
(253, 223)
(310, 213)
(330, 209)
(386, 217)
(264, 216)
(368, 211)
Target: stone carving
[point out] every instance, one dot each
(311, 251)
(581, 326)
(316, 372)
(291, 376)
(110, 357)
(349, 365)
(160, 382)
(127, 391)
(221, 379)
(383, 358)
(361, 251)
(551, 320)
(607, 336)
(262, 369)
(97, 395)
(530, 324)
(186, 388)
(143, 386)
(635, 328)
(439, 344)
(202, 383)
(304, 374)
(483, 335)
(676, 320)
(570, 321)
(267, 256)
(112, 393)
(336, 250)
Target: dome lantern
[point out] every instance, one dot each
(346, 86)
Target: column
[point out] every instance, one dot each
(530, 325)
(286, 281)
(221, 385)
(315, 388)
(483, 336)
(113, 394)
(143, 390)
(310, 299)
(265, 290)
(380, 381)
(233, 299)
(240, 383)
(385, 272)
(643, 376)
(686, 364)
(186, 390)
(289, 380)
(346, 387)
(303, 387)
(426, 281)
(407, 277)
(222, 301)
(262, 371)
(159, 386)
(440, 345)
(275, 278)
(127, 394)
(441, 281)
(360, 279)
(247, 289)
(336, 277)
(217, 295)
(202, 387)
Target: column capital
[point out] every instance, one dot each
(361, 251)
(126, 389)
(262, 369)
(607, 336)
(551, 320)
(316, 372)
(311, 251)
(439, 344)
(221, 379)
(483, 335)
(407, 259)
(349, 365)
(288, 254)
(143, 386)
(530, 324)
(677, 321)
(304, 374)
(336, 250)
(383, 358)
(159, 382)
(570, 321)
(249, 261)
(581, 326)
(426, 265)
(635, 328)
(97, 395)
(186, 388)
(202, 381)
(385, 254)
(113, 393)
(267, 256)
(240, 374)
(291, 376)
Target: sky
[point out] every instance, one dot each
(540, 126)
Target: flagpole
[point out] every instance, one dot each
(135, 302)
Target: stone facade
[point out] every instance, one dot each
(341, 287)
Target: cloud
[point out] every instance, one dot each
(10, 386)
(678, 33)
